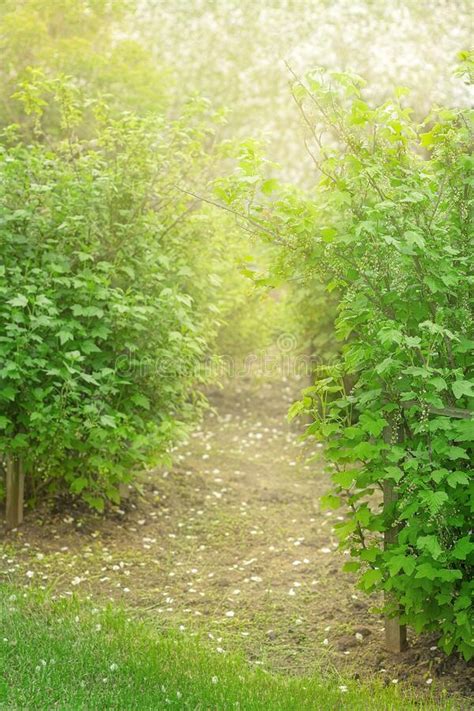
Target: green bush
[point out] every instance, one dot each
(114, 281)
(104, 328)
(388, 230)
(395, 235)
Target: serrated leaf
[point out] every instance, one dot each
(64, 336)
(330, 501)
(463, 548)
(435, 500)
(20, 300)
(463, 388)
(108, 421)
(344, 478)
(370, 555)
(431, 545)
(141, 401)
(426, 570)
(394, 473)
(402, 562)
(372, 424)
(268, 186)
(79, 484)
(8, 393)
(457, 478)
(370, 578)
(352, 566)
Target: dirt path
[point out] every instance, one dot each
(231, 544)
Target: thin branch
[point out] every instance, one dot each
(179, 218)
(236, 213)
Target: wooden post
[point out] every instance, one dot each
(15, 482)
(124, 491)
(395, 633)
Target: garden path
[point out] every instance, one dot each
(230, 543)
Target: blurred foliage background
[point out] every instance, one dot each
(149, 56)
(234, 52)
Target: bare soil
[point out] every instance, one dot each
(231, 544)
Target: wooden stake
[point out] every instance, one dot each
(124, 492)
(395, 635)
(15, 481)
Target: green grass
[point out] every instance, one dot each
(67, 655)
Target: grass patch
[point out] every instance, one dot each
(68, 655)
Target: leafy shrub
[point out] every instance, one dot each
(389, 231)
(103, 334)
(114, 282)
(394, 233)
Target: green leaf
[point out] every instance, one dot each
(438, 383)
(390, 335)
(20, 300)
(431, 545)
(415, 238)
(456, 453)
(64, 336)
(394, 473)
(435, 500)
(269, 186)
(465, 431)
(463, 548)
(84, 256)
(372, 424)
(365, 451)
(370, 578)
(79, 484)
(401, 91)
(108, 421)
(95, 502)
(401, 562)
(463, 388)
(458, 478)
(363, 515)
(449, 575)
(89, 378)
(426, 570)
(141, 401)
(345, 530)
(8, 393)
(352, 566)
(439, 474)
(369, 554)
(409, 565)
(344, 478)
(330, 501)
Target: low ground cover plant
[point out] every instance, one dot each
(72, 655)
